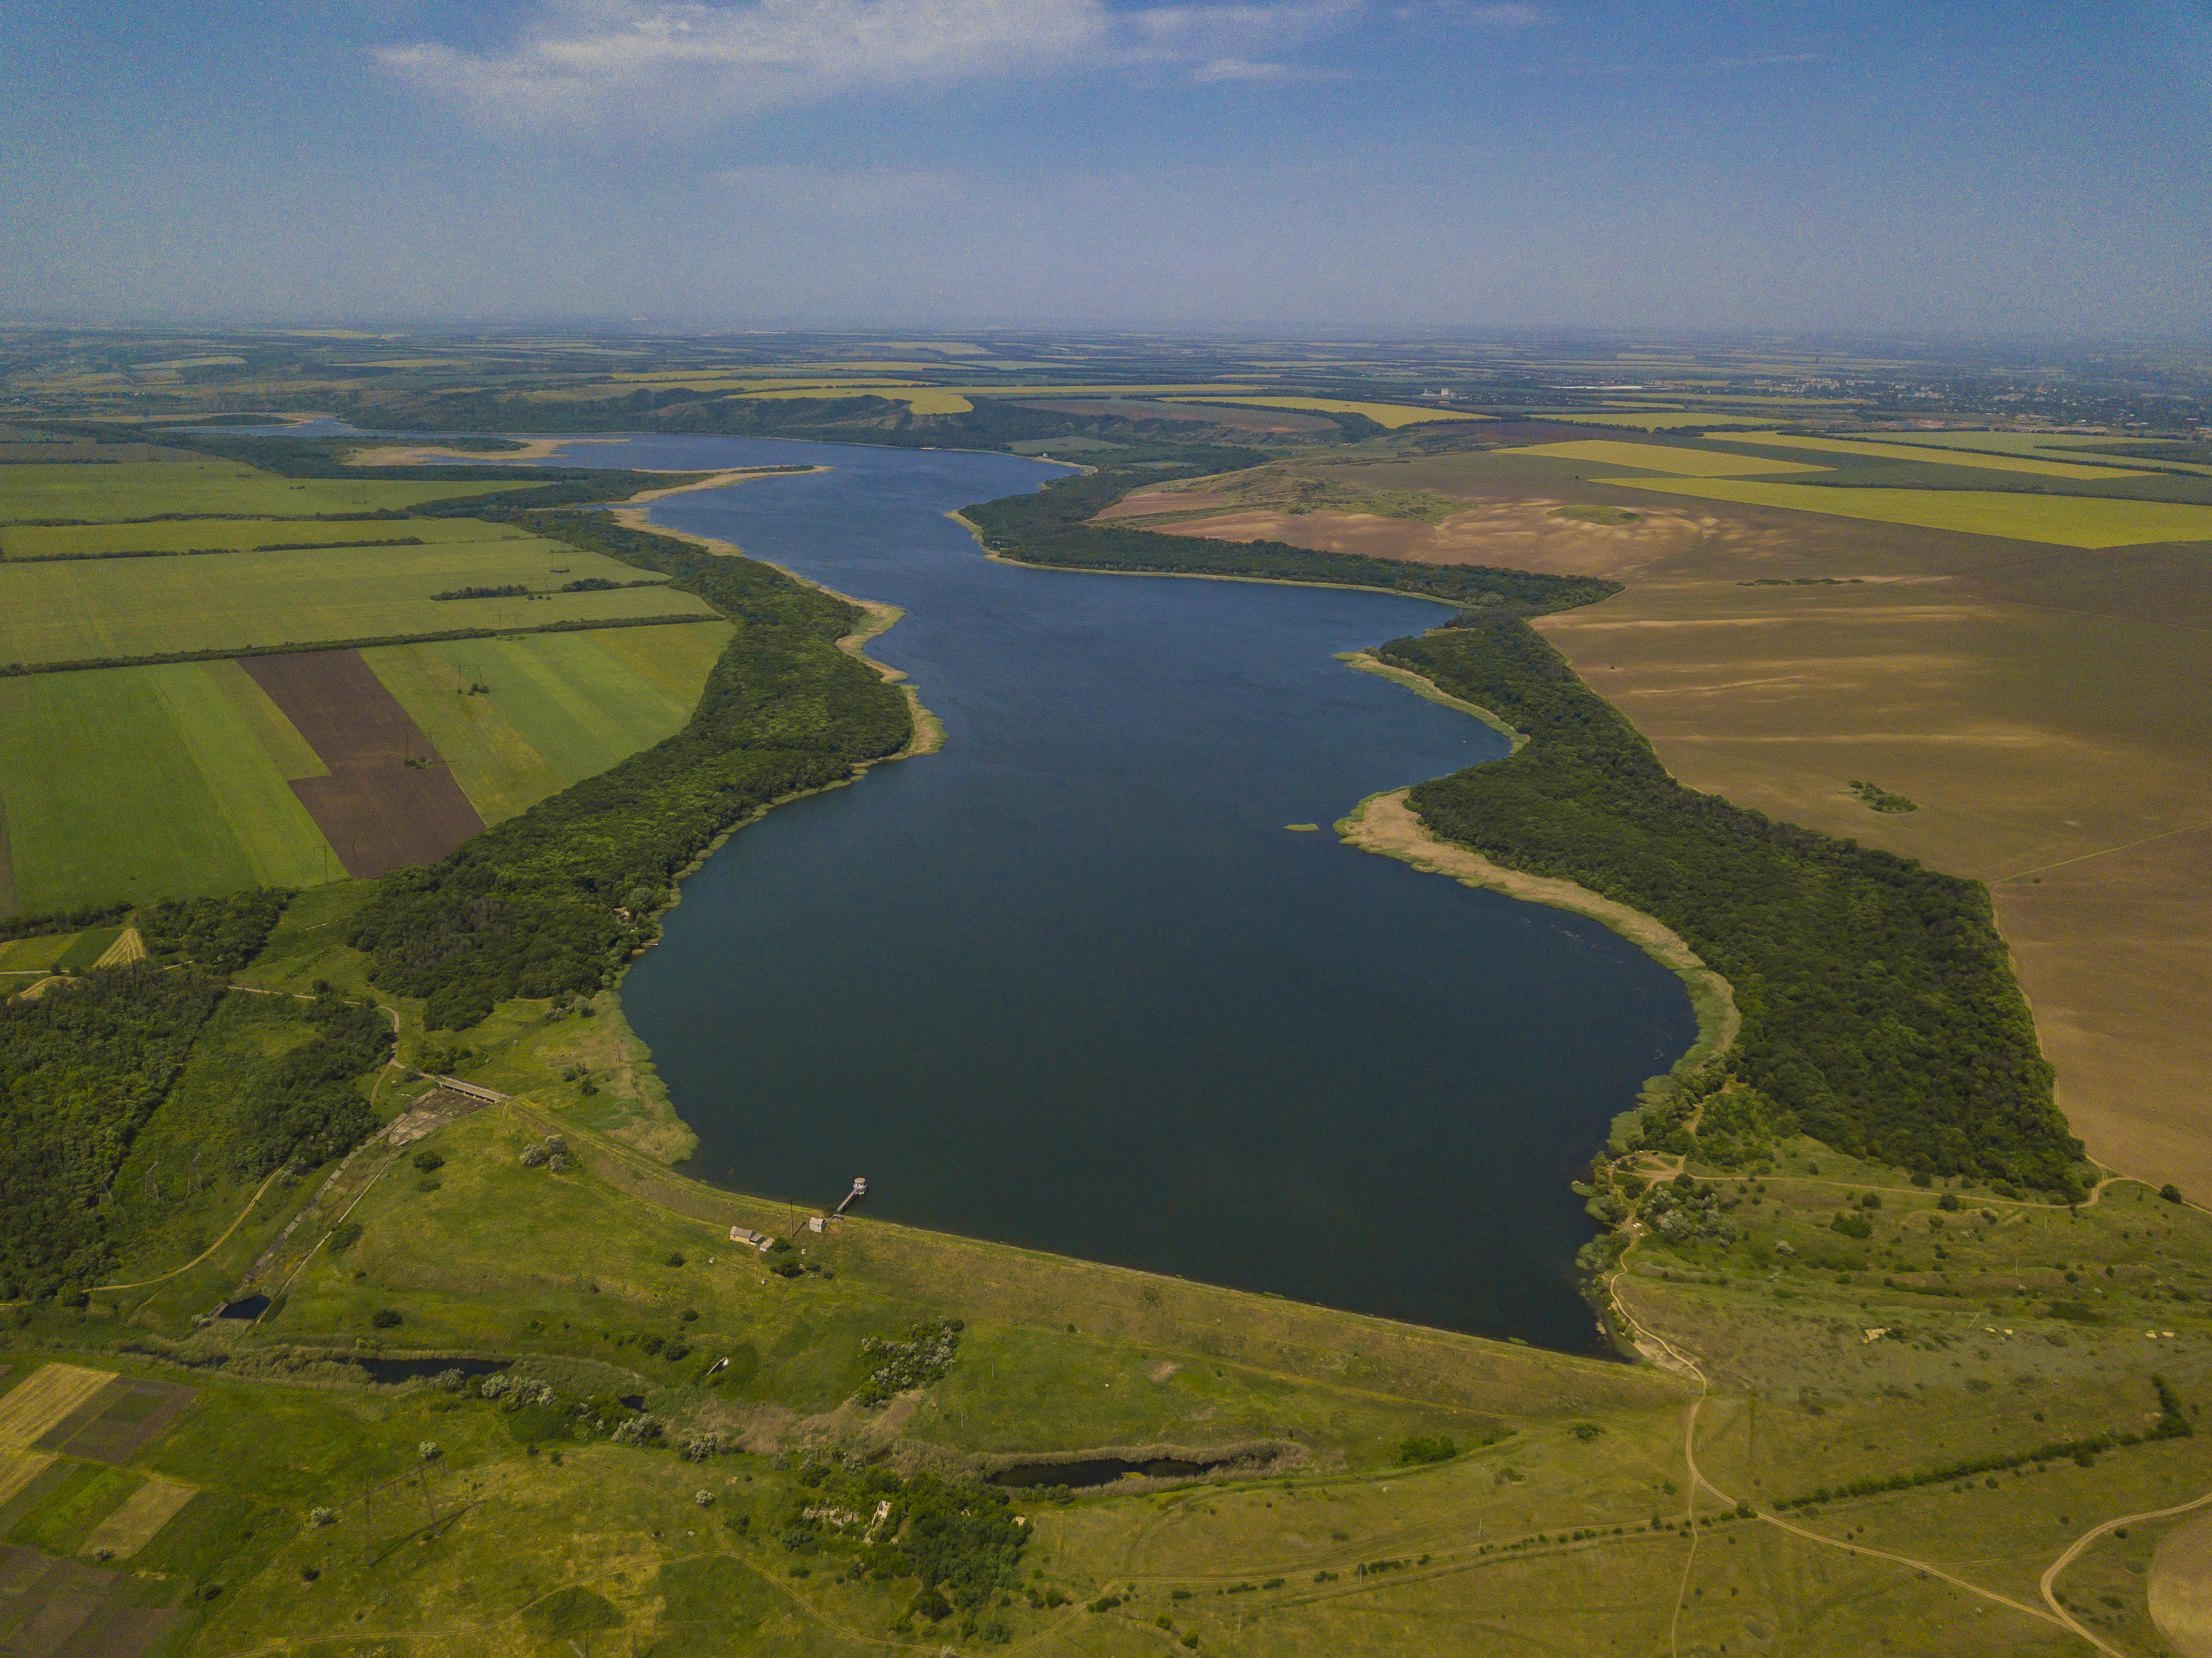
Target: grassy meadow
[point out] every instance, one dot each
(85, 611)
(217, 488)
(1559, 1518)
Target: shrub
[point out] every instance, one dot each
(385, 1318)
(2170, 1191)
(931, 1603)
(321, 1517)
(533, 1156)
(344, 1237)
(429, 1162)
(1419, 1449)
(1853, 1226)
(1949, 1203)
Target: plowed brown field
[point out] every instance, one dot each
(378, 812)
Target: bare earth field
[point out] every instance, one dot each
(2042, 705)
(377, 811)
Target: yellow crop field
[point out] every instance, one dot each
(1658, 458)
(1660, 422)
(2036, 444)
(1391, 416)
(1987, 463)
(40, 1403)
(2061, 521)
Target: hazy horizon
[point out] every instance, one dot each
(1402, 169)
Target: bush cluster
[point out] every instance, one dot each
(920, 1358)
(219, 935)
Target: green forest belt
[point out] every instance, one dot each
(1053, 527)
(228, 653)
(1880, 1010)
(557, 899)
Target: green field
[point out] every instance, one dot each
(561, 707)
(141, 783)
(94, 609)
(175, 781)
(1664, 458)
(2062, 520)
(241, 534)
(1988, 462)
(138, 489)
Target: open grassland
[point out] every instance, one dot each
(2060, 520)
(1986, 1330)
(220, 489)
(95, 609)
(237, 535)
(1390, 415)
(560, 707)
(1985, 462)
(141, 783)
(1664, 458)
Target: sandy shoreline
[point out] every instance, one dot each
(928, 730)
(430, 454)
(1387, 825)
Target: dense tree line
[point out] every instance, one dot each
(1053, 527)
(557, 899)
(1879, 1005)
(81, 1067)
(84, 1067)
(221, 935)
(229, 653)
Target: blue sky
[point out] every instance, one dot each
(1311, 164)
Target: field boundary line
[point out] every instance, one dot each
(2105, 852)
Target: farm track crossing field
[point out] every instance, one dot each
(1664, 458)
(1986, 462)
(239, 535)
(377, 812)
(145, 489)
(2061, 521)
(561, 707)
(95, 609)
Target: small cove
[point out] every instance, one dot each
(1070, 984)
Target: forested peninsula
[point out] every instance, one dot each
(555, 900)
(1880, 1010)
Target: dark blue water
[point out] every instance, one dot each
(1070, 983)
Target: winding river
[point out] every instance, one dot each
(1070, 983)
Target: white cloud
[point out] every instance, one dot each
(655, 60)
